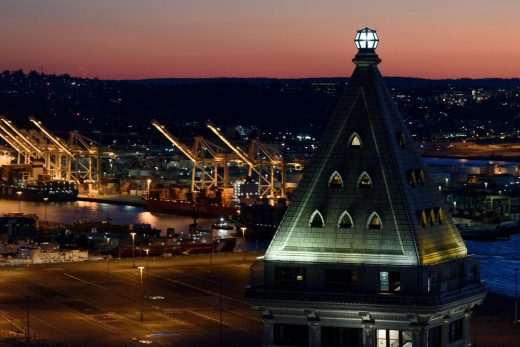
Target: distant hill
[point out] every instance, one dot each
(398, 82)
(65, 103)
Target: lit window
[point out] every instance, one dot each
(345, 220)
(384, 284)
(354, 141)
(316, 220)
(394, 338)
(335, 180)
(374, 221)
(364, 181)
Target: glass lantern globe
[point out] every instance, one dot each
(366, 39)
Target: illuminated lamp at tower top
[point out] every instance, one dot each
(366, 39)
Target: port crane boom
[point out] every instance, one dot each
(210, 163)
(259, 157)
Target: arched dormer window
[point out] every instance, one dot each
(335, 180)
(374, 221)
(402, 139)
(423, 220)
(440, 216)
(412, 178)
(354, 141)
(364, 181)
(345, 221)
(432, 217)
(316, 220)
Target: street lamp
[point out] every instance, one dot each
(133, 248)
(147, 250)
(244, 240)
(485, 186)
(446, 179)
(148, 182)
(19, 193)
(141, 268)
(45, 199)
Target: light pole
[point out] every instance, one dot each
(516, 295)
(45, 199)
(19, 193)
(108, 261)
(133, 249)
(147, 250)
(141, 268)
(148, 182)
(27, 298)
(446, 179)
(244, 241)
(485, 186)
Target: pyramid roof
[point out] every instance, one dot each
(366, 197)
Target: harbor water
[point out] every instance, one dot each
(498, 259)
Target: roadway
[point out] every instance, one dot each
(99, 303)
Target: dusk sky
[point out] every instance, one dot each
(134, 39)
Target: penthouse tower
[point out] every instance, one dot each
(365, 255)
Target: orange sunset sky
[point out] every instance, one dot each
(134, 39)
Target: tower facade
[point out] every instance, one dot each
(365, 255)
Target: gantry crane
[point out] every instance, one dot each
(77, 160)
(208, 159)
(58, 157)
(259, 160)
(86, 159)
(16, 139)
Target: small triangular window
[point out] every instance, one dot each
(374, 221)
(335, 180)
(440, 216)
(422, 218)
(364, 181)
(316, 220)
(345, 221)
(354, 141)
(412, 178)
(432, 217)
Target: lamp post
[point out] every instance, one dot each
(446, 179)
(45, 199)
(108, 262)
(133, 248)
(244, 241)
(147, 250)
(19, 193)
(148, 182)
(141, 268)
(27, 299)
(516, 295)
(485, 186)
